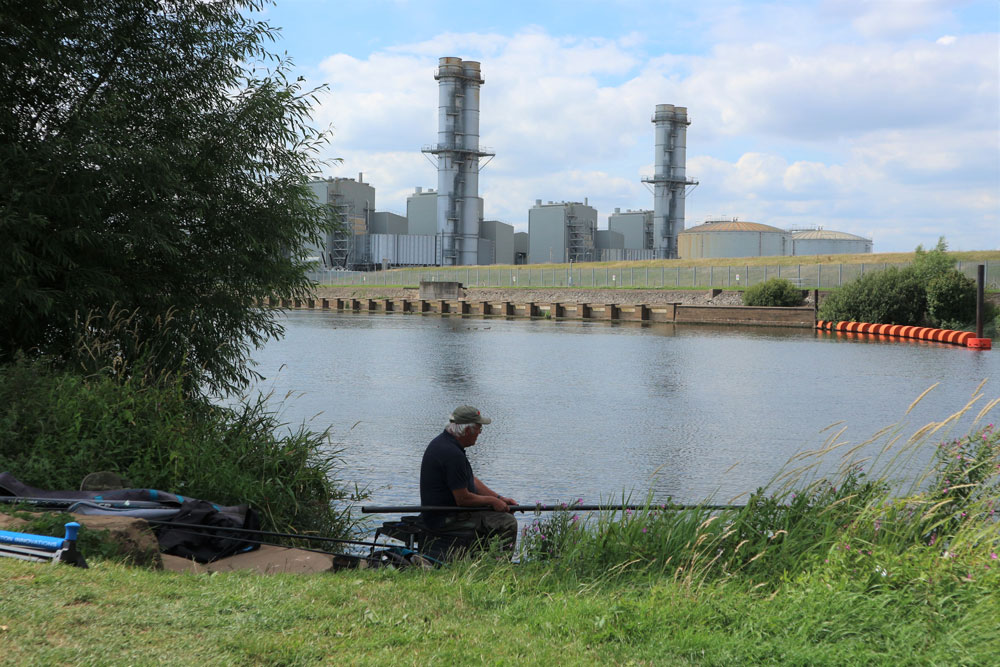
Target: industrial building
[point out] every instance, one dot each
(636, 228)
(353, 201)
(733, 238)
(501, 236)
(459, 207)
(421, 212)
(828, 242)
(669, 180)
(520, 247)
(561, 232)
(385, 222)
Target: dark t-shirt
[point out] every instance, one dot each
(445, 467)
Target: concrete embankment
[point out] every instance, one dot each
(549, 295)
(708, 306)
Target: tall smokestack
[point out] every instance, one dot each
(458, 153)
(669, 179)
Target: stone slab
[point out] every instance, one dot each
(265, 560)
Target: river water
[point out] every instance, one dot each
(598, 410)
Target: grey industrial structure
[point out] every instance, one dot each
(636, 228)
(353, 202)
(459, 208)
(828, 242)
(669, 179)
(446, 226)
(561, 232)
(733, 238)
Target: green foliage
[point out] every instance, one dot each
(56, 427)
(929, 265)
(951, 300)
(153, 160)
(773, 292)
(891, 296)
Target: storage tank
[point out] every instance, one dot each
(733, 238)
(828, 242)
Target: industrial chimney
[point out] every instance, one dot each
(459, 207)
(669, 180)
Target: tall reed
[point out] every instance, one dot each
(867, 519)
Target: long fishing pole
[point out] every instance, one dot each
(62, 503)
(192, 527)
(404, 509)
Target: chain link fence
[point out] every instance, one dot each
(726, 276)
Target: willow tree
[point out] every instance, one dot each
(154, 156)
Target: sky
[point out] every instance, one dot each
(878, 118)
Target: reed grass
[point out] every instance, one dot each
(870, 519)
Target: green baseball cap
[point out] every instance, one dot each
(466, 414)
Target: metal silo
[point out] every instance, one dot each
(458, 153)
(733, 238)
(828, 242)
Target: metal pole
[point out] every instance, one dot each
(980, 288)
(400, 509)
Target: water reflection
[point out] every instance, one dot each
(595, 410)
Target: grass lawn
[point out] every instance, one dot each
(482, 613)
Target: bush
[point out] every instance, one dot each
(930, 264)
(890, 296)
(951, 300)
(56, 427)
(773, 292)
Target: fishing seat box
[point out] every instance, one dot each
(415, 534)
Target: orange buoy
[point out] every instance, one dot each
(979, 343)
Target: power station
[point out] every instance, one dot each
(446, 227)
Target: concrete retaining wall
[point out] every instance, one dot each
(742, 315)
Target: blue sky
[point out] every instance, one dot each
(877, 118)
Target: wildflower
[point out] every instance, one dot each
(933, 539)
(628, 512)
(993, 555)
(644, 529)
(574, 518)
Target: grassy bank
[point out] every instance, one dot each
(490, 614)
(848, 569)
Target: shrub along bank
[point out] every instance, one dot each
(929, 292)
(56, 426)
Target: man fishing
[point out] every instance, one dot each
(446, 479)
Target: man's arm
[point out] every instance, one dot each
(487, 491)
(466, 498)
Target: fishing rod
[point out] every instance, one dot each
(65, 503)
(193, 527)
(403, 509)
